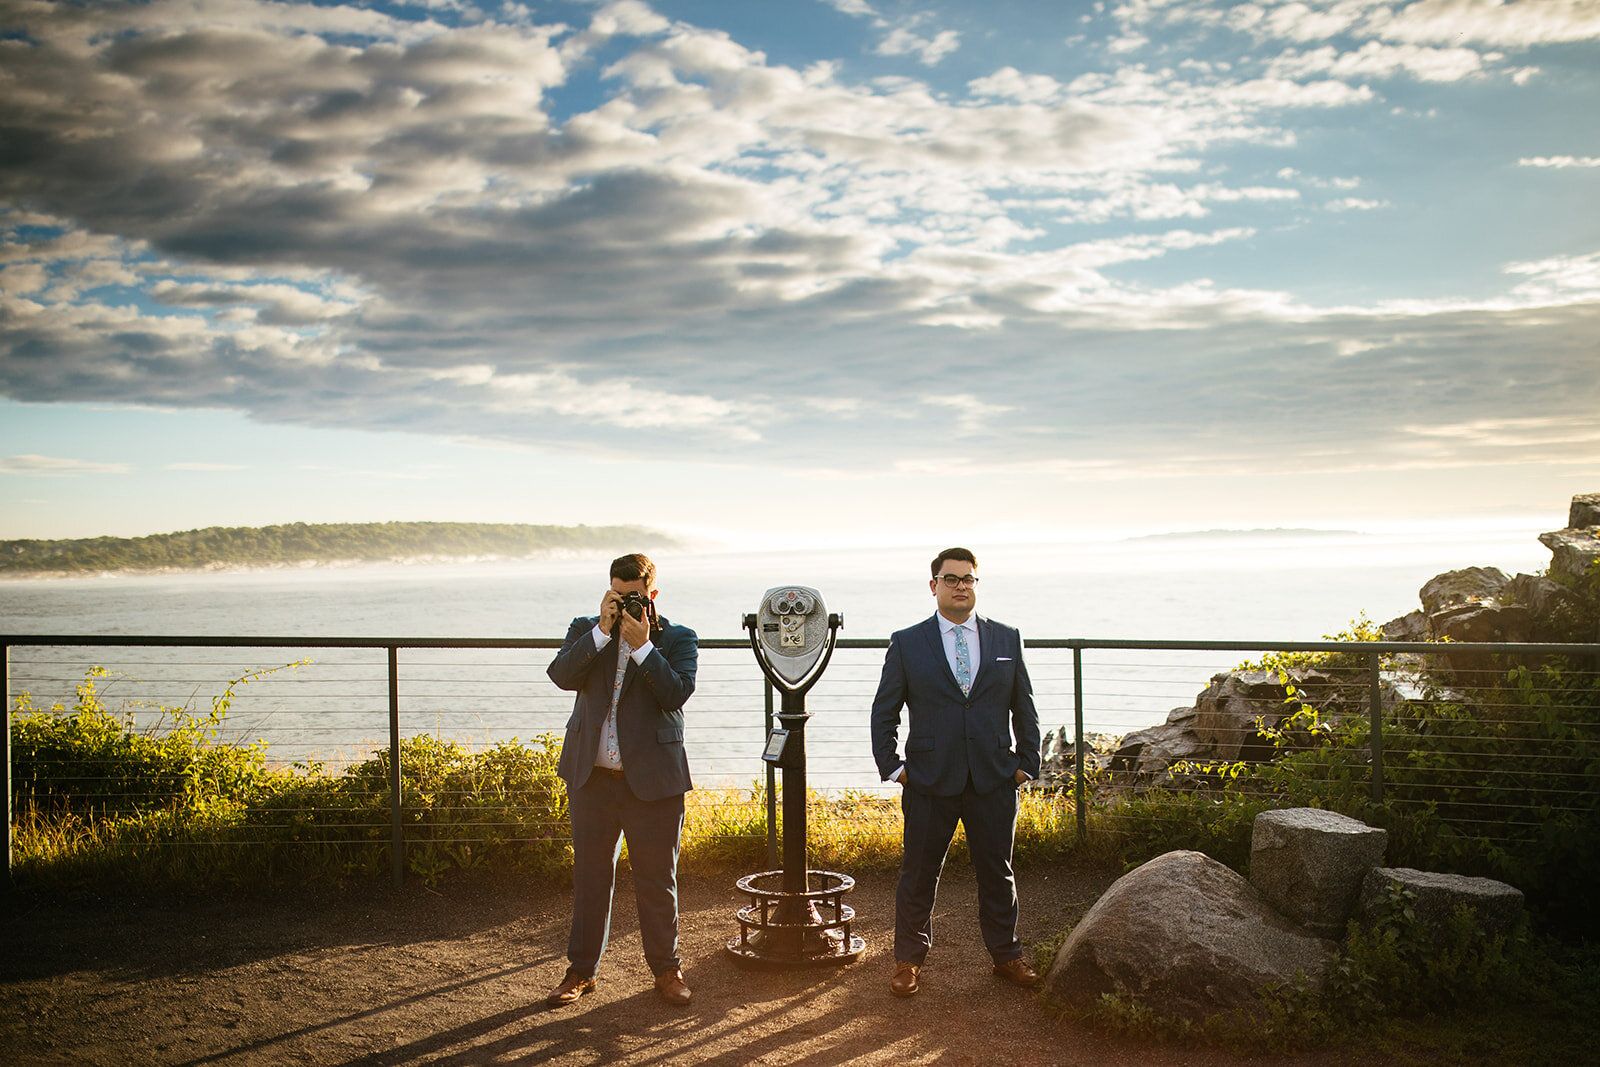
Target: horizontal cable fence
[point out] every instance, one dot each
(378, 753)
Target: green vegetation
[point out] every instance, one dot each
(101, 802)
(245, 546)
(1405, 992)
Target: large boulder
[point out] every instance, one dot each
(1454, 589)
(1497, 904)
(1310, 863)
(1187, 935)
(1572, 551)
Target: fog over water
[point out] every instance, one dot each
(1260, 586)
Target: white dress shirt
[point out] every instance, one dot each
(609, 754)
(947, 631)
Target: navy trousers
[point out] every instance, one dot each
(990, 820)
(605, 813)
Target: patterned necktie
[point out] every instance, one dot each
(963, 661)
(613, 751)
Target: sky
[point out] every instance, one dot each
(799, 271)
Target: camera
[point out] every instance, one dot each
(639, 606)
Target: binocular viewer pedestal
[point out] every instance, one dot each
(796, 917)
(808, 928)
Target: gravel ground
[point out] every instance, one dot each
(412, 976)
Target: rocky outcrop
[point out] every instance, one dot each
(1237, 717)
(1186, 934)
(1436, 896)
(1241, 715)
(1584, 512)
(1572, 552)
(1310, 863)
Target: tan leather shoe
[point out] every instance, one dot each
(671, 986)
(1017, 972)
(573, 985)
(904, 982)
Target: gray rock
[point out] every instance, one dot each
(1473, 585)
(1585, 511)
(1537, 593)
(1572, 551)
(1412, 626)
(1497, 904)
(1188, 936)
(1310, 863)
(1226, 714)
(1484, 622)
(1153, 749)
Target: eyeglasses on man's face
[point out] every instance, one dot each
(953, 580)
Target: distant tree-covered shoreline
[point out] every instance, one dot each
(298, 543)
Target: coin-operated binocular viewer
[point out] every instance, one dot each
(797, 917)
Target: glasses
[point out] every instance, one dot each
(953, 580)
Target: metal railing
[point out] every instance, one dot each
(1125, 686)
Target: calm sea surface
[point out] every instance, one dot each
(334, 708)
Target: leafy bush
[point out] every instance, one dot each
(93, 763)
(101, 802)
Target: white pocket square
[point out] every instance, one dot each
(1002, 659)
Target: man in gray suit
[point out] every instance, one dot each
(973, 738)
(626, 774)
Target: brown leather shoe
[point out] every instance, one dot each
(904, 982)
(573, 985)
(1017, 972)
(671, 986)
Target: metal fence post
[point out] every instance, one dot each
(772, 787)
(5, 746)
(1375, 735)
(1082, 745)
(397, 842)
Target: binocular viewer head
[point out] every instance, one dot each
(791, 630)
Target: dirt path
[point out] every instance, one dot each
(412, 977)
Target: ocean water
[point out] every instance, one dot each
(1267, 587)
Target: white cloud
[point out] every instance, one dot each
(903, 41)
(1559, 162)
(1375, 59)
(218, 467)
(30, 464)
(1559, 279)
(859, 8)
(1355, 203)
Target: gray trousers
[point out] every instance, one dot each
(990, 820)
(605, 813)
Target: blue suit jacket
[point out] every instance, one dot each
(987, 735)
(649, 712)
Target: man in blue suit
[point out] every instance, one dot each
(972, 739)
(625, 771)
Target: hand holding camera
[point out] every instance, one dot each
(636, 618)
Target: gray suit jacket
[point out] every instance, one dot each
(649, 712)
(987, 735)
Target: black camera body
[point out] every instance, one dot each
(639, 606)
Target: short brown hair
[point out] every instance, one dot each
(635, 567)
(963, 554)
